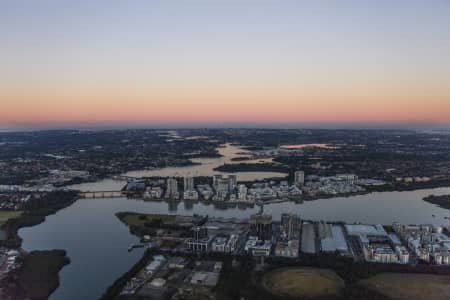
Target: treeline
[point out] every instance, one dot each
(150, 228)
(49, 202)
(36, 209)
(36, 278)
(258, 167)
(442, 201)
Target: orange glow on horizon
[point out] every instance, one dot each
(222, 104)
(224, 62)
(221, 98)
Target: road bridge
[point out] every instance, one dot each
(102, 194)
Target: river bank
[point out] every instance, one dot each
(36, 212)
(37, 277)
(441, 201)
(106, 238)
(298, 199)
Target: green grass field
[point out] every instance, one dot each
(410, 286)
(303, 282)
(5, 215)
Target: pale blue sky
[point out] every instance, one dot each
(159, 43)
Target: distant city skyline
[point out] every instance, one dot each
(316, 64)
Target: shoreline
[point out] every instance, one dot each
(38, 276)
(442, 201)
(31, 218)
(300, 199)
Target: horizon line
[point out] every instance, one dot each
(393, 125)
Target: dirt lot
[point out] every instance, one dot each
(303, 282)
(410, 286)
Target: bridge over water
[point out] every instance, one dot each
(102, 194)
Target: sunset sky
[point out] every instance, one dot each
(223, 62)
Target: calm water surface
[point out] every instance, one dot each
(96, 241)
(207, 165)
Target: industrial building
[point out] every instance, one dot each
(376, 244)
(308, 244)
(427, 242)
(157, 262)
(334, 240)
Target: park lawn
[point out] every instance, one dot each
(5, 215)
(303, 282)
(405, 286)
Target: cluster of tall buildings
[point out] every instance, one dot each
(377, 245)
(172, 189)
(218, 235)
(189, 190)
(333, 185)
(224, 186)
(427, 242)
(260, 235)
(288, 240)
(259, 241)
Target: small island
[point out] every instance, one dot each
(441, 201)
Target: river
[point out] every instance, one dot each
(96, 241)
(205, 166)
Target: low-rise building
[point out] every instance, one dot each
(257, 247)
(287, 249)
(403, 254)
(153, 193)
(224, 243)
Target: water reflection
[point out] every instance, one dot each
(96, 241)
(206, 166)
(173, 206)
(188, 205)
